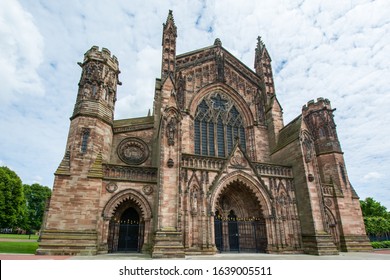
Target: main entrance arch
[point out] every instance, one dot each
(239, 217)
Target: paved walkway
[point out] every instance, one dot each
(374, 255)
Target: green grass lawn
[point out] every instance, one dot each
(13, 247)
(19, 236)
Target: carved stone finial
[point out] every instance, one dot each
(218, 42)
(169, 25)
(260, 46)
(170, 16)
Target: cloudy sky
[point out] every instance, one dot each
(339, 50)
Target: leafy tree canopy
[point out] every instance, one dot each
(12, 201)
(372, 208)
(36, 197)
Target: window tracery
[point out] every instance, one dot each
(217, 126)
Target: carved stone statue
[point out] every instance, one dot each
(171, 130)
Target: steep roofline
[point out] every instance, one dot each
(215, 46)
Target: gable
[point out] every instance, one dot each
(201, 68)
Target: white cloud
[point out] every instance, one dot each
(21, 52)
(37, 179)
(372, 176)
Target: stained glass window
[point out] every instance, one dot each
(218, 125)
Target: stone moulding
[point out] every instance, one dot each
(130, 173)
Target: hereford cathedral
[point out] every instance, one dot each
(213, 169)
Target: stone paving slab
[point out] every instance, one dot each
(374, 255)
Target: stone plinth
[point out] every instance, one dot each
(168, 244)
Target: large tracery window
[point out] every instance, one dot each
(218, 125)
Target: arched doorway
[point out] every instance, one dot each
(239, 223)
(126, 231)
(127, 207)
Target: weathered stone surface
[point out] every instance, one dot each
(214, 169)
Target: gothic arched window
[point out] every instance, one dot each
(218, 125)
(84, 139)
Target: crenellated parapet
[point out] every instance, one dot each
(316, 105)
(98, 84)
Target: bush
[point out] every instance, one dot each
(380, 245)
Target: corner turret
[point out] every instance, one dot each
(98, 85)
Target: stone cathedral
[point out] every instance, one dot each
(213, 169)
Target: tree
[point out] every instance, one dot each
(12, 201)
(376, 219)
(372, 208)
(36, 197)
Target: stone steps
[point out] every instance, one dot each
(57, 242)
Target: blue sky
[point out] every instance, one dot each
(338, 50)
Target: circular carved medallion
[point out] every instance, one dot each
(148, 189)
(133, 151)
(238, 160)
(328, 202)
(111, 187)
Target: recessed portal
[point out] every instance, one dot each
(239, 224)
(126, 233)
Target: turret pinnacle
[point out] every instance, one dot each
(263, 66)
(169, 25)
(260, 47)
(169, 47)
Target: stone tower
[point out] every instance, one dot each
(342, 212)
(73, 212)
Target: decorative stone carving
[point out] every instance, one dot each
(171, 130)
(170, 163)
(147, 189)
(194, 202)
(328, 202)
(238, 160)
(93, 72)
(220, 61)
(260, 105)
(133, 151)
(307, 144)
(181, 84)
(111, 187)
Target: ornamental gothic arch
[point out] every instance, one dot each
(213, 169)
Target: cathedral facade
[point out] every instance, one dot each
(213, 169)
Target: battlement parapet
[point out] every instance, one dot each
(103, 55)
(316, 105)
